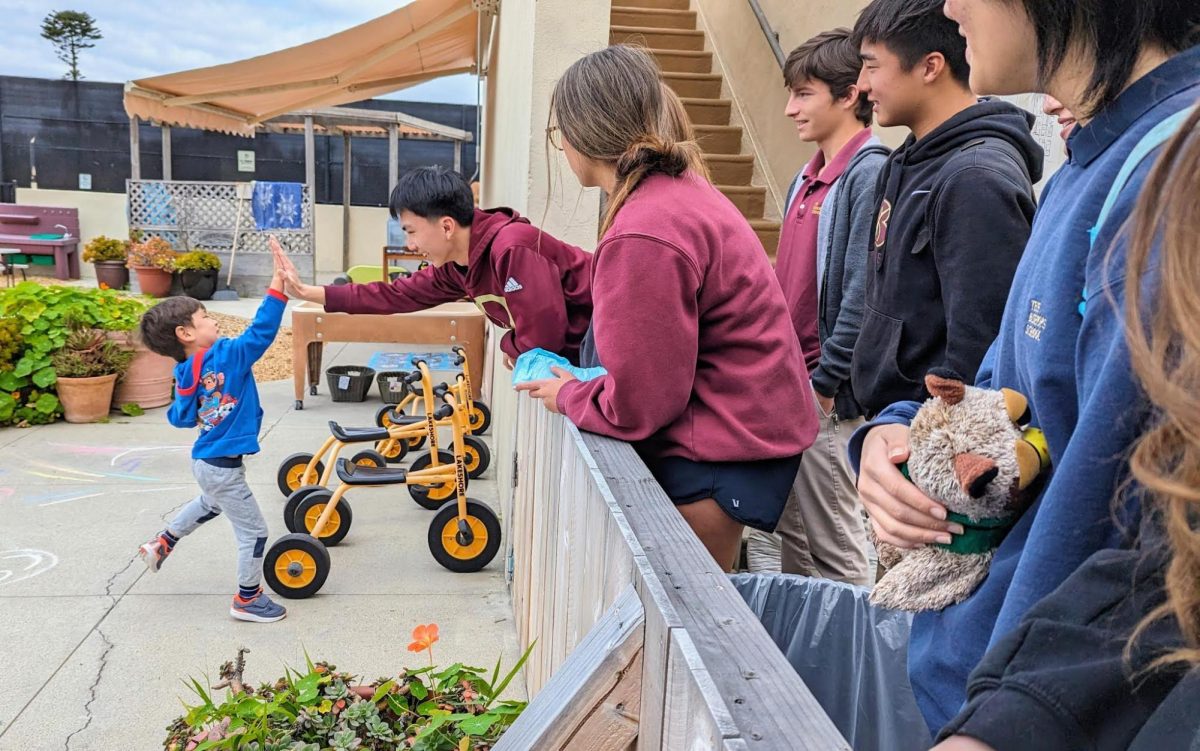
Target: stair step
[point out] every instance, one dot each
(657, 4)
(683, 61)
(699, 85)
(707, 111)
(662, 39)
(751, 200)
(768, 235)
(719, 139)
(730, 169)
(652, 18)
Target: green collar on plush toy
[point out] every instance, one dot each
(978, 536)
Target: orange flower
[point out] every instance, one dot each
(423, 637)
(103, 285)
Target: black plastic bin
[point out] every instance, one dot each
(392, 386)
(349, 383)
(851, 655)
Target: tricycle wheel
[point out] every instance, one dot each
(296, 566)
(477, 457)
(393, 450)
(369, 458)
(309, 510)
(464, 545)
(479, 419)
(290, 476)
(383, 418)
(432, 497)
(293, 502)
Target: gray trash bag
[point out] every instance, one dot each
(851, 655)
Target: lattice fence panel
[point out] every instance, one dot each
(204, 215)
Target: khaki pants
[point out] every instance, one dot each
(822, 532)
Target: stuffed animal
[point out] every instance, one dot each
(969, 449)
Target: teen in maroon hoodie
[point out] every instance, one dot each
(524, 280)
(689, 319)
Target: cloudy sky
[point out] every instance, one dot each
(151, 37)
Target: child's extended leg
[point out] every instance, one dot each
(204, 507)
(237, 501)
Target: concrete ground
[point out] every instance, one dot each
(94, 649)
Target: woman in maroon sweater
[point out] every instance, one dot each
(688, 318)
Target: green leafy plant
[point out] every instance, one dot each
(154, 252)
(88, 353)
(101, 248)
(454, 709)
(132, 409)
(11, 342)
(197, 260)
(27, 394)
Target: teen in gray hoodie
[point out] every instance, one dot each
(822, 266)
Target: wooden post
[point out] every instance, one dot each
(310, 179)
(135, 151)
(345, 201)
(166, 152)
(458, 156)
(393, 157)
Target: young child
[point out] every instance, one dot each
(215, 391)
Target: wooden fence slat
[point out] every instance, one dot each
(592, 671)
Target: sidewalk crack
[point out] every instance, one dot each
(87, 708)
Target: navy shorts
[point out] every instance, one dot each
(753, 493)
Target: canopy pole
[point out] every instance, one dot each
(345, 201)
(393, 157)
(135, 151)
(166, 152)
(458, 156)
(310, 179)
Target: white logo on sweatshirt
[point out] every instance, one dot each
(512, 285)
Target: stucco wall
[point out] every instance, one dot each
(535, 43)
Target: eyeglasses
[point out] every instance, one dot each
(554, 135)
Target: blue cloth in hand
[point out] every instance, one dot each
(278, 205)
(535, 365)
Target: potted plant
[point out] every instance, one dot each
(154, 262)
(198, 273)
(108, 254)
(87, 367)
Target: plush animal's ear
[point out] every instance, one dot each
(1033, 456)
(1017, 407)
(946, 385)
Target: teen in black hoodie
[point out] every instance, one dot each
(956, 203)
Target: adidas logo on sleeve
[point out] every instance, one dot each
(512, 285)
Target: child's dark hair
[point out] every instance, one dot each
(832, 58)
(157, 327)
(911, 29)
(1110, 34)
(432, 193)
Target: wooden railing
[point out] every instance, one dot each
(641, 640)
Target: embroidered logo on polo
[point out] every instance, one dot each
(512, 285)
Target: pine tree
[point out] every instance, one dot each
(70, 31)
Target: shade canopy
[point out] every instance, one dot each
(423, 40)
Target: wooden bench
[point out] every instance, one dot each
(18, 222)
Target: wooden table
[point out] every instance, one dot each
(446, 325)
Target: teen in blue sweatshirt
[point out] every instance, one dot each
(1061, 339)
(215, 392)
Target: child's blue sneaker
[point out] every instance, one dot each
(260, 609)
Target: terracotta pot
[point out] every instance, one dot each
(199, 284)
(111, 274)
(86, 399)
(153, 281)
(148, 381)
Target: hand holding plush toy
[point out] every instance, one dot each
(970, 451)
